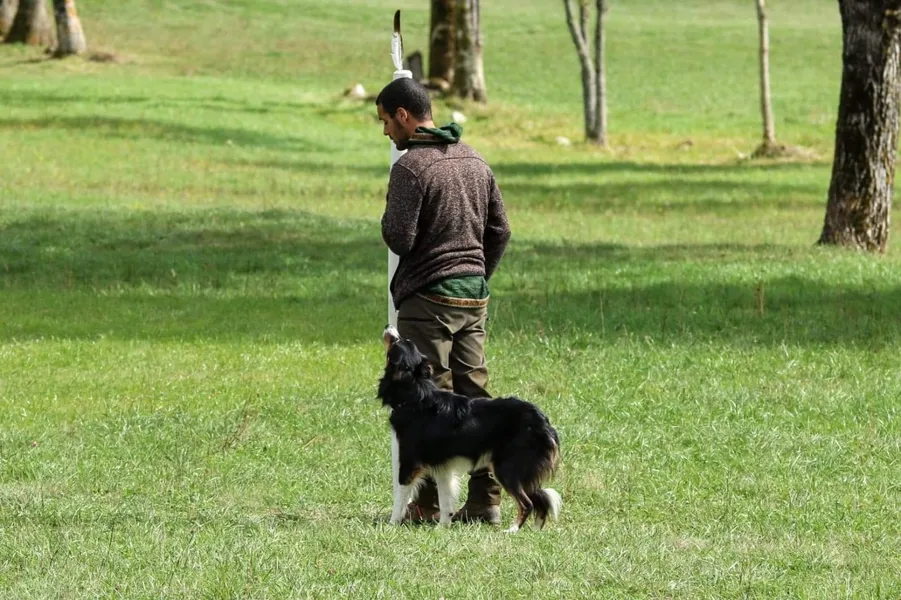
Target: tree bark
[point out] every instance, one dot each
(7, 15)
(593, 69)
(766, 105)
(32, 25)
(441, 41)
(600, 63)
(858, 213)
(578, 29)
(69, 34)
(469, 73)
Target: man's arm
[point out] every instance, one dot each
(399, 223)
(497, 230)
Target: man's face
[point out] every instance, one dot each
(395, 126)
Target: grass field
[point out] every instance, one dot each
(192, 293)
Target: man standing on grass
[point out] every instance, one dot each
(446, 221)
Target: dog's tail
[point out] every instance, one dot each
(546, 503)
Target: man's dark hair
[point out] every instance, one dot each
(406, 93)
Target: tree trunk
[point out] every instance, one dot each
(32, 25)
(600, 130)
(69, 35)
(866, 135)
(441, 41)
(469, 74)
(480, 93)
(578, 30)
(594, 71)
(7, 15)
(766, 105)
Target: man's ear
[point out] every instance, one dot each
(402, 115)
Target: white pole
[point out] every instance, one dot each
(397, 54)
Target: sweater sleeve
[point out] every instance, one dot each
(404, 201)
(497, 230)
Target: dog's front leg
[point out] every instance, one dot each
(402, 496)
(407, 477)
(400, 503)
(447, 495)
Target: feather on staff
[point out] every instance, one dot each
(397, 44)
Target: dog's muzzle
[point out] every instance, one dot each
(391, 336)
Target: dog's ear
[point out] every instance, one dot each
(401, 376)
(424, 370)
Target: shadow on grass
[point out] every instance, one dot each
(293, 276)
(133, 129)
(304, 166)
(217, 103)
(602, 186)
(792, 311)
(206, 274)
(666, 302)
(684, 195)
(603, 167)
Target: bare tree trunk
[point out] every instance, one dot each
(766, 106)
(469, 73)
(594, 71)
(866, 135)
(480, 92)
(32, 25)
(69, 34)
(600, 60)
(441, 41)
(578, 29)
(7, 15)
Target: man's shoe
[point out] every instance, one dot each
(478, 513)
(424, 507)
(483, 503)
(418, 515)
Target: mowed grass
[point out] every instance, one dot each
(192, 289)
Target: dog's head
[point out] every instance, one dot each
(404, 361)
(405, 366)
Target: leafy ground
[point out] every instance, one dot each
(192, 290)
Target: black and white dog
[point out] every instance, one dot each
(443, 434)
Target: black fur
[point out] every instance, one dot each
(434, 426)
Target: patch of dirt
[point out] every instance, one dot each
(783, 151)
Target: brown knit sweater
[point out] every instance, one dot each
(444, 217)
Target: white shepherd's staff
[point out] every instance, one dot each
(397, 55)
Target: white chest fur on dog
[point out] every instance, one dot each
(447, 480)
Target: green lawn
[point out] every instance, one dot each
(192, 290)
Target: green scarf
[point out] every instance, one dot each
(424, 136)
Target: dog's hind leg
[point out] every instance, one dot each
(447, 494)
(523, 509)
(547, 502)
(540, 504)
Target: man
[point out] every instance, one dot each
(446, 221)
